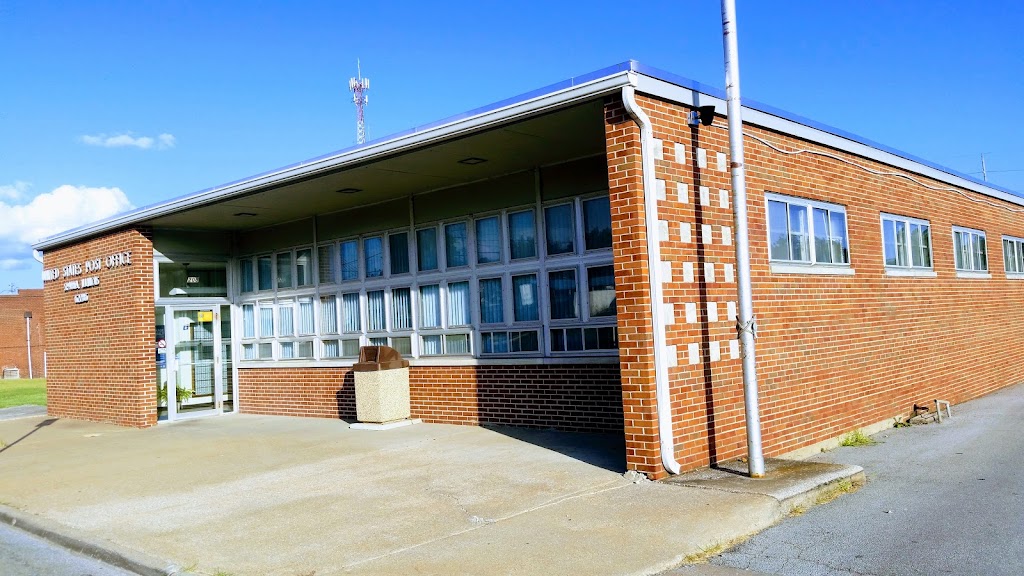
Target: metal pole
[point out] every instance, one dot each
(28, 340)
(745, 326)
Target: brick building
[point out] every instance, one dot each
(14, 345)
(516, 257)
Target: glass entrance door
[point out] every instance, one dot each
(197, 373)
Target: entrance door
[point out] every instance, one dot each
(196, 334)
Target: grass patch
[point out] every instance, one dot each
(836, 490)
(704, 553)
(22, 391)
(857, 438)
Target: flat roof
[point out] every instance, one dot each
(572, 90)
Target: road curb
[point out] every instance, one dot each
(76, 541)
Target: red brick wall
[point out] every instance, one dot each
(834, 352)
(582, 398)
(13, 349)
(101, 355)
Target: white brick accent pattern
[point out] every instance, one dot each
(659, 187)
(705, 196)
(659, 149)
(686, 232)
(702, 158)
(723, 198)
(722, 167)
(712, 311)
(688, 272)
(680, 153)
(715, 351)
(683, 191)
(726, 235)
(709, 272)
(691, 312)
(729, 272)
(730, 310)
(694, 353)
(705, 234)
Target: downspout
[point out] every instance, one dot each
(664, 403)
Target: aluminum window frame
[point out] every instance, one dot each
(909, 268)
(810, 205)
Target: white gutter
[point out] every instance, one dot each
(664, 401)
(517, 110)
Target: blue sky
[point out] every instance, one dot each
(106, 105)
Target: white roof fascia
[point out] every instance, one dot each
(689, 97)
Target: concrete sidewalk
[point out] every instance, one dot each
(274, 495)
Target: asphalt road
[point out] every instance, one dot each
(940, 499)
(23, 554)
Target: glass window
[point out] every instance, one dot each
(286, 320)
(522, 235)
(488, 240)
(559, 229)
(970, 251)
(304, 267)
(245, 274)
(349, 260)
(287, 350)
(564, 300)
(601, 288)
(284, 271)
(326, 267)
(426, 249)
(265, 273)
(350, 312)
(398, 244)
(806, 231)
(430, 307)
(401, 309)
(350, 348)
(597, 223)
(403, 344)
(196, 279)
(491, 301)
(373, 250)
(329, 314)
(906, 242)
(330, 349)
(456, 343)
(431, 345)
(455, 245)
(375, 311)
(248, 321)
(458, 304)
(266, 351)
(266, 321)
(307, 319)
(524, 298)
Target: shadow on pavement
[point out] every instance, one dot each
(603, 450)
(35, 429)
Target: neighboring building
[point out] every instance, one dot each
(13, 337)
(507, 252)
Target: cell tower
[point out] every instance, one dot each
(359, 86)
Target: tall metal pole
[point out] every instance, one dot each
(984, 169)
(745, 325)
(28, 340)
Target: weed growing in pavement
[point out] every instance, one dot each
(898, 423)
(844, 486)
(797, 510)
(857, 438)
(704, 553)
(222, 573)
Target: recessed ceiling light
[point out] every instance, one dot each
(349, 190)
(472, 160)
(246, 214)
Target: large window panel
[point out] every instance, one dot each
(329, 314)
(597, 223)
(245, 275)
(522, 233)
(807, 232)
(373, 251)
(349, 251)
(398, 245)
(559, 229)
(304, 267)
(266, 321)
(906, 243)
(248, 321)
(970, 251)
(601, 289)
(284, 271)
(286, 319)
(426, 249)
(307, 318)
(458, 304)
(524, 298)
(326, 266)
(350, 312)
(430, 306)
(492, 310)
(401, 309)
(265, 272)
(488, 240)
(375, 318)
(456, 245)
(563, 293)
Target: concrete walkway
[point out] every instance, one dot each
(290, 496)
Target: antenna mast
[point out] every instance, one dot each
(359, 86)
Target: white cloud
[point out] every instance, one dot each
(161, 142)
(13, 192)
(63, 208)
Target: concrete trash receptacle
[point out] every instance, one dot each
(382, 385)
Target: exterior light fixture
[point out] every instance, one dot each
(472, 160)
(349, 190)
(702, 115)
(245, 214)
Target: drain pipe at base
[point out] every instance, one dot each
(665, 434)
